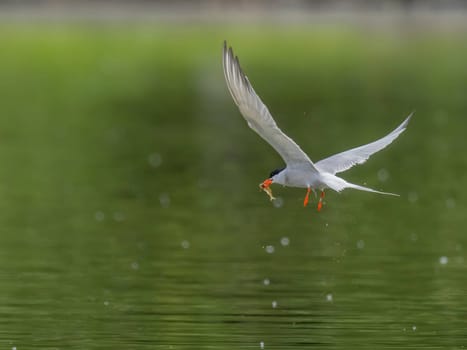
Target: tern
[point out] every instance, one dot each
(299, 171)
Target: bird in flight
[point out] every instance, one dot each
(299, 171)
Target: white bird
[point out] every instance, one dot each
(299, 171)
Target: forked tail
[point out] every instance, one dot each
(367, 189)
(338, 184)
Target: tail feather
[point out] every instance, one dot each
(367, 189)
(338, 184)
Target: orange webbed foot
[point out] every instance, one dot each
(307, 197)
(320, 202)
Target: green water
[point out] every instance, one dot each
(130, 216)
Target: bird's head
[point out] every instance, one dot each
(273, 177)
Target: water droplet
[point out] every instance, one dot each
(361, 244)
(134, 265)
(13, 348)
(285, 241)
(450, 203)
(106, 303)
(274, 304)
(412, 196)
(266, 282)
(155, 160)
(414, 328)
(329, 297)
(261, 344)
(383, 175)
(278, 202)
(164, 200)
(443, 260)
(270, 249)
(99, 216)
(119, 216)
(185, 244)
(203, 183)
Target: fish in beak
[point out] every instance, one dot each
(265, 186)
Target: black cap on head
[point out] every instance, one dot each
(275, 172)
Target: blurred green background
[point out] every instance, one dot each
(130, 212)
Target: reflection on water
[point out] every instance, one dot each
(131, 216)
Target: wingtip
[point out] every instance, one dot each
(406, 121)
(226, 49)
(231, 54)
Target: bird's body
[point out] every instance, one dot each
(299, 171)
(304, 178)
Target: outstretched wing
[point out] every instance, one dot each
(256, 113)
(345, 160)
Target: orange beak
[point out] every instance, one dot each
(265, 187)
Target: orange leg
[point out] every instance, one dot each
(320, 202)
(307, 196)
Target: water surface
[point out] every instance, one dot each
(130, 212)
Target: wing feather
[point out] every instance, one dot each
(257, 114)
(345, 160)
